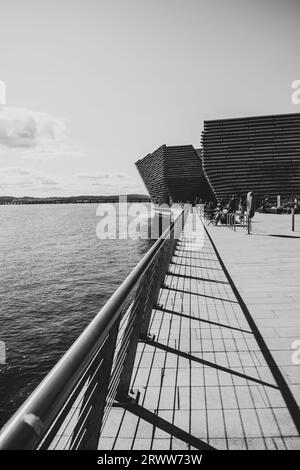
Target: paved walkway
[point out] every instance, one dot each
(207, 379)
(265, 268)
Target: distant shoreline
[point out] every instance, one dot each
(9, 200)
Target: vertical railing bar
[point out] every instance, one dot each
(80, 440)
(117, 369)
(75, 439)
(93, 426)
(80, 423)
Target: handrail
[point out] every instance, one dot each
(30, 424)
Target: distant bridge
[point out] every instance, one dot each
(75, 200)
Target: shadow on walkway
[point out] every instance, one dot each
(185, 355)
(166, 426)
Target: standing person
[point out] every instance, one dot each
(201, 206)
(232, 205)
(219, 209)
(242, 208)
(240, 204)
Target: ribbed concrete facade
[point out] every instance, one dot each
(174, 174)
(260, 154)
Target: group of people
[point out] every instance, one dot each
(285, 206)
(219, 212)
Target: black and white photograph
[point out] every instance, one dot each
(149, 231)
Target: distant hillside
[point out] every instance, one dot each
(72, 199)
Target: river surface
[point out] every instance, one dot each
(55, 275)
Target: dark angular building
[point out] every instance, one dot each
(174, 174)
(259, 154)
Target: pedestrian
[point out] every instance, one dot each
(232, 205)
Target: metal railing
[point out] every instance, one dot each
(231, 220)
(69, 408)
(244, 221)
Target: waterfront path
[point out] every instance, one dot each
(218, 373)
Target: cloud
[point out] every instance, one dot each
(33, 134)
(93, 177)
(19, 181)
(16, 181)
(99, 177)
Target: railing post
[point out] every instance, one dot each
(244, 220)
(293, 219)
(249, 224)
(146, 297)
(135, 317)
(140, 314)
(151, 291)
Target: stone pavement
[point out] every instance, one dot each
(265, 268)
(208, 379)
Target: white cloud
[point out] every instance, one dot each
(33, 134)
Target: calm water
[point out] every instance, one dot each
(55, 275)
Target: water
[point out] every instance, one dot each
(55, 275)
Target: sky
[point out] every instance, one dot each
(94, 85)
